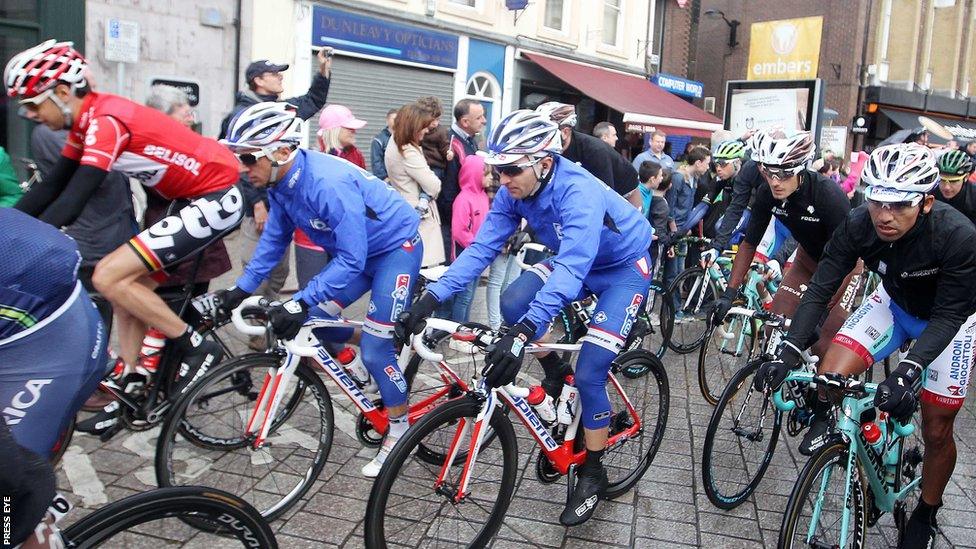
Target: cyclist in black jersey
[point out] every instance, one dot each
(954, 168)
(808, 204)
(923, 251)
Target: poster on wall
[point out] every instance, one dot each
(787, 49)
(833, 139)
(789, 104)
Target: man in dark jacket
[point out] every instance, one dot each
(469, 120)
(264, 84)
(377, 147)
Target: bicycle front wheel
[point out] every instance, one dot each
(159, 519)
(693, 292)
(815, 512)
(220, 454)
(413, 505)
(727, 347)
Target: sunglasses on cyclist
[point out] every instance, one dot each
(250, 159)
(777, 172)
(896, 207)
(722, 163)
(511, 170)
(953, 179)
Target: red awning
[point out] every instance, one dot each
(644, 104)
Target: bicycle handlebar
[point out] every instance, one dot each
(530, 246)
(302, 345)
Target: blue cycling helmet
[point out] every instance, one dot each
(523, 133)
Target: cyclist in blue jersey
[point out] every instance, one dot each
(367, 228)
(602, 244)
(52, 343)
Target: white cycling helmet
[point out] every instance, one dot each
(787, 150)
(34, 71)
(267, 125)
(562, 114)
(900, 172)
(523, 133)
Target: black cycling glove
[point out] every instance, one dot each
(897, 394)
(287, 318)
(772, 373)
(504, 357)
(411, 320)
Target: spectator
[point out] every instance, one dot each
(591, 153)
(174, 102)
(409, 174)
(656, 152)
(657, 211)
(469, 211)
(10, 190)
(971, 149)
(607, 133)
(437, 143)
(469, 120)
(264, 84)
(681, 198)
(951, 145)
(377, 147)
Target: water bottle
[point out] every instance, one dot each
(543, 404)
(152, 350)
(568, 402)
(354, 366)
(873, 435)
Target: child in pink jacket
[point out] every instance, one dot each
(469, 211)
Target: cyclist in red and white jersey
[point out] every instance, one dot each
(108, 132)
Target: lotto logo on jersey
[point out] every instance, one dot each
(396, 378)
(200, 219)
(401, 293)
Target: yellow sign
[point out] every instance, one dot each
(788, 49)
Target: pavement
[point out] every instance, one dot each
(667, 508)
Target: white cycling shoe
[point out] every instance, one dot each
(372, 469)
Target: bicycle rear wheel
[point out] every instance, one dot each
(814, 513)
(694, 293)
(406, 506)
(727, 347)
(740, 441)
(159, 518)
(218, 454)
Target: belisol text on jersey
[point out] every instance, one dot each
(185, 161)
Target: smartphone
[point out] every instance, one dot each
(329, 52)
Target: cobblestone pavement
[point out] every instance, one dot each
(668, 507)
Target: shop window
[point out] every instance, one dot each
(611, 21)
(483, 87)
(554, 14)
(469, 3)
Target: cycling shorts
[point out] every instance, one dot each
(48, 371)
(879, 327)
(191, 229)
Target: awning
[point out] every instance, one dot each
(964, 130)
(643, 104)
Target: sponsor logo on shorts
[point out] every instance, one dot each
(372, 307)
(600, 317)
(396, 378)
(955, 390)
(873, 333)
(401, 293)
(961, 361)
(635, 304)
(601, 416)
(933, 374)
(23, 400)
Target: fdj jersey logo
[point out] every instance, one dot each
(400, 294)
(631, 314)
(396, 378)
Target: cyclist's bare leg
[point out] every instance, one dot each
(940, 451)
(123, 279)
(596, 439)
(130, 331)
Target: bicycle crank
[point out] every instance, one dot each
(546, 473)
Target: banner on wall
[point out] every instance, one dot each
(788, 49)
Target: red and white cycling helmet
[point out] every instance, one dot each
(900, 172)
(788, 150)
(563, 114)
(34, 71)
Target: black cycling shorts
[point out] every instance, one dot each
(191, 229)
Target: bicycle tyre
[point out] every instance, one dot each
(215, 506)
(742, 380)
(810, 480)
(175, 424)
(684, 337)
(654, 368)
(448, 413)
(711, 391)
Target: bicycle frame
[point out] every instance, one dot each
(562, 456)
(885, 495)
(305, 344)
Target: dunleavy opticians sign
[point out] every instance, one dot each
(355, 33)
(788, 49)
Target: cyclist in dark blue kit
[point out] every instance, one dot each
(602, 244)
(52, 343)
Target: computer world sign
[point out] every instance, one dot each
(788, 49)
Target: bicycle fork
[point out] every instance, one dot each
(478, 431)
(276, 381)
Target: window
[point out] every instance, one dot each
(483, 87)
(611, 20)
(554, 14)
(470, 3)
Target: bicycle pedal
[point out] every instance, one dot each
(111, 432)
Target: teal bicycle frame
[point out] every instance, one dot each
(881, 469)
(736, 332)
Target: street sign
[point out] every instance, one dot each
(192, 88)
(121, 41)
(859, 124)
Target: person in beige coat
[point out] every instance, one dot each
(410, 175)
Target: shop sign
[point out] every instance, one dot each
(678, 85)
(639, 127)
(788, 49)
(354, 33)
(859, 124)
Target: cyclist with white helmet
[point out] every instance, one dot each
(107, 132)
(808, 204)
(368, 229)
(923, 251)
(602, 244)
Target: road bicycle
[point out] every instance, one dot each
(169, 517)
(461, 500)
(847, 485)
(262, 426)
(695, 290)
